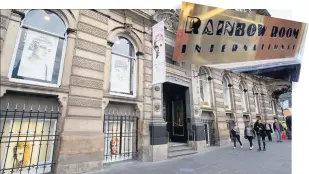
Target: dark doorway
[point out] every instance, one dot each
(174, 100)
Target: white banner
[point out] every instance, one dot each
(158, 53)
(38, 56)
(120, 74)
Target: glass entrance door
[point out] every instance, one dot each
(178, 118)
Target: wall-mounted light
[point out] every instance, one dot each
(47, 18)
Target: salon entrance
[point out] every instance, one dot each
(175, 99)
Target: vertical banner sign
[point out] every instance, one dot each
(210, 35)
(158, 53)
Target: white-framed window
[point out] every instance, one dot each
(244, 97)
(205, 88)
(123, 68)
(227, 93)
(40, 48)
(256, 100)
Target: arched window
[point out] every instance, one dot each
(39, 50)
(256, 100)
(227, 93)
(205, 87)
(244, 96)
(123, 67)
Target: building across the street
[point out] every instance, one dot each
(77, 93)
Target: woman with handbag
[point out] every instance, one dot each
(249, 134)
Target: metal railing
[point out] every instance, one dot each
(27, 139)
(121, 136)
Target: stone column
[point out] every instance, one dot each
(198, 127)
(82, 140)
(157, 126)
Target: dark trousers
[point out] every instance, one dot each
(259, 137)
(269, 135)
(237, 137)
(250, 138)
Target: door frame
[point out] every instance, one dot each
(168, 100)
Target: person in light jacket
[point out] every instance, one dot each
(269, 131)
(249, 134)
(278, 128)
(235, 133)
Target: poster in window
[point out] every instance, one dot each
(38, 57)
(114, 145)
(120, 74)
(118, 141)
(24, 148)
(22, 151)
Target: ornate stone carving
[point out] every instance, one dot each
(157, 88)
(74, 101)
(89, 46)
(84, 82)
(92, 30)
(3, 22)
(128, 28)
(87, 63)
(170, 16)
(104, 103)
(157, 107)
(95, 15)
(149, 12)
(196, 110)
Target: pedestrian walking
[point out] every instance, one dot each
(249, 134)
(269, 131)
(236, 136)
(278, 128)
(260, 130)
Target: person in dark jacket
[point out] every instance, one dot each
(269, 130)
(235, 133)
(249, 134)
(278, 129)
(288, 121)
(260, 131)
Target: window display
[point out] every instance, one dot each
(118, 140)
(27, 145)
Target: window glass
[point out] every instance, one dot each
(123, 69)
(204, 88)
(123, 46)
(226, 94)
(45, 20)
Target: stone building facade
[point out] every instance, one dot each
(93, 119)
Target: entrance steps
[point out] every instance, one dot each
(179, 149)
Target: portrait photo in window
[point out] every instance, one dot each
(39, 49)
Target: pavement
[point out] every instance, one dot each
(220, 160)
